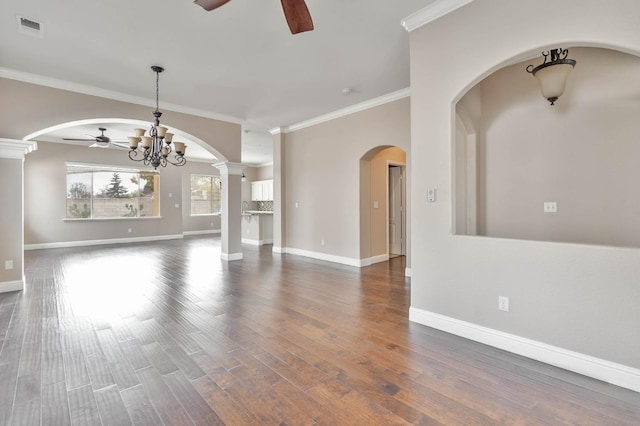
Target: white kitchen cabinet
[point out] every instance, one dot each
(262, 190)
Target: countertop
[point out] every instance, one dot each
(256, 212)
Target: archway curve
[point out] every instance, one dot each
(511, 112)
(531, 54)
(181, 134)
(374, 201)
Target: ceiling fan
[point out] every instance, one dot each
(295, 11)
(101, 141)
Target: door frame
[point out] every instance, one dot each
(403, 197)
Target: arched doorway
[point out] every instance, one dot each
(383, 218)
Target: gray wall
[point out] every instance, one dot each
(583, 298)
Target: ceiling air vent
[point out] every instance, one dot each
(29, 26)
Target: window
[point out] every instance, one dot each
(205, 194)
(102, 192)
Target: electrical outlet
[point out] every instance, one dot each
(321, 242)
(503, 303)
(8, 264)
(129, 230)
(550, 207)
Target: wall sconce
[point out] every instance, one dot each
(243, 178)
(552, 73)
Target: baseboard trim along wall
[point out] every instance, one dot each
(358, 263)
(256, 242)
(324, 256)
(208, 231)
(407, 272)
(375, 259)
(230, 257)
(65, 244)
(8, 286)
(607, 371)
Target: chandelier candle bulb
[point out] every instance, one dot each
(133, 142)
(180, 147)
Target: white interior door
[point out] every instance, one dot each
(396, 207)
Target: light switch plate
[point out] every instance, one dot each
(431, 195)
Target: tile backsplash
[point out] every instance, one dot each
(265, 206)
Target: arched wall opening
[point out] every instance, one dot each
(513, 152)
(383, 186)
(117, 124)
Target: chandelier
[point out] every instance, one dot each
(155, 148)
(552, 73)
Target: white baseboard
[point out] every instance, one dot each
(8, 286)
(324, 256)
(256, 242)
(208, 231)
(375, 259)
(101, 242)
(230, 257)
(279, 249)
(607, 371)
(407, 272)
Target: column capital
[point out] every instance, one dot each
(16, 149)
(230, 168)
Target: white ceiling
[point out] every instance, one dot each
(239, 61)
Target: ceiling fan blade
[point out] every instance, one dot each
(79, 140)
(120, 145)
(210, 4)
(99, 145)
(298, 16)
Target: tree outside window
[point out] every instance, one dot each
(95, 192)
(205, 194)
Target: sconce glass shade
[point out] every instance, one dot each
(552, 73)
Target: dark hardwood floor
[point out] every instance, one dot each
(166, 333)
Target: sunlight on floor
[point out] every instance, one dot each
(95, 287)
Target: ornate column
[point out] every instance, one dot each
(12, 153)
(231, 209)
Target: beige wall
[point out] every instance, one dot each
(26, 108)
(11, 222)
(264, 172)
(323, 176)
(579, 297)
(374, 221)
(580, 153)
(45, 202)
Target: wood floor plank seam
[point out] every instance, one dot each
(271, 339)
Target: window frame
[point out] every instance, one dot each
(92, 168)
(216, 184)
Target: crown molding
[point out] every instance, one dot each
(394, 96)
(276, 130)
(109, 94)
(435, 10)
(16, 149)
(230, 168)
